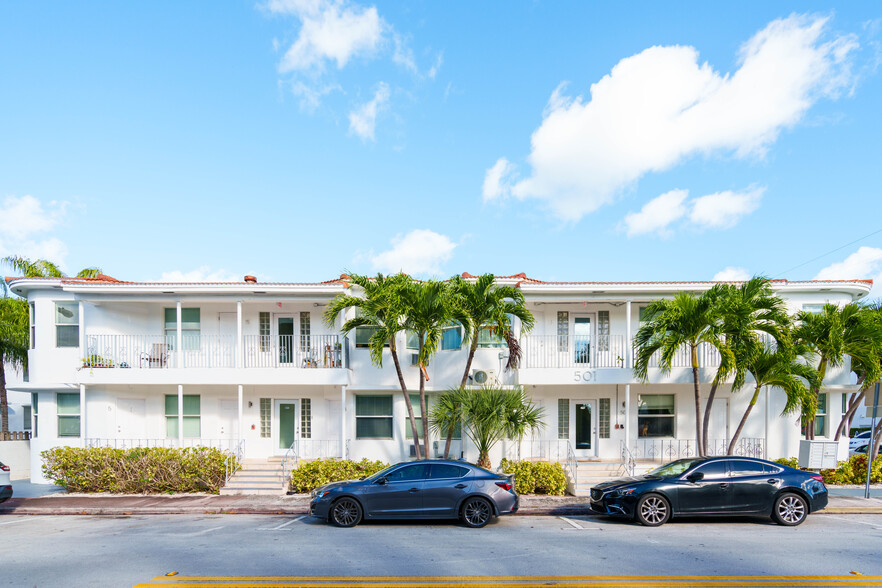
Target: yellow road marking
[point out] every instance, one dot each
(505, 578)
(584, 584)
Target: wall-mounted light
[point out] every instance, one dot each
(250, 404)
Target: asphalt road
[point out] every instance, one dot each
(224, 550)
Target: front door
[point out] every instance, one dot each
(130, 423)
(285, 333)
(582, 340)
(583, 427)
(287, 425)
(228, 414)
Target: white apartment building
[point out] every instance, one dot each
(251, 366)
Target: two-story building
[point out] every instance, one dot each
(252, 367)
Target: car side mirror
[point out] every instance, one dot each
(695, 477)
(381, 481)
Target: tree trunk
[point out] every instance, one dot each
(873, 452)
(853, 404)
(695, 380)
(743, 420)
(413, 427)
(707, 414)
(484, 460)
(4, 404)
(423, 411)
(465, 378)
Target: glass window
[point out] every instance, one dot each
(488, 338)
(412, 341)
(33, 328)
(67, 324)
(68, 414)
(266, 412)
(563, 330)
(743, 467)
(563, 418)
(373, 417)
(603, 330)
(192, 420)
(713, 470)
(417, 416)
(655, 415)
(813, 308)
(407, 473)
(603, 410)
(770, 469)
(820, 416)
(190, 328)
(305, 418)
(36, 407)
(265, 335)
(363, 336)
(451, 337)
(444, 470)
(26, 418)
(305, 331)
(641, 314)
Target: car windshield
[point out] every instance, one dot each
(675, 468)
(381, 473)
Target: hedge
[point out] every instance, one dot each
(852, 471)
(138, 470)
(536, 477)
(312, 474)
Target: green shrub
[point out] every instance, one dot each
(136, 471)
(536, 477)
(852, 471)
(312, 474)
(789, 462)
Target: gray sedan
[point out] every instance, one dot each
(428, 489)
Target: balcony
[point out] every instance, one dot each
(214, 351)
(568, 351)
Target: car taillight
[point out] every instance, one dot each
(4, 468)
(818, 477)
(504, 485)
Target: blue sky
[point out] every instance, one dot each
(297, 139)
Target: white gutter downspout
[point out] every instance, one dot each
(343, 421)
(179, 349)
(180, 403)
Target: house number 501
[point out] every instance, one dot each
(583, 376)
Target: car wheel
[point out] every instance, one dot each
(476, 513)
(346, 512)
(790, 509)
(653, 510)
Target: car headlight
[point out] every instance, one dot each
(317, 494)
(625, 491)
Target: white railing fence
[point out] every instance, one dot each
(318, 449)
(233, 461)
(664, 450)
(312, 351)
(131, 443)
(563, 351)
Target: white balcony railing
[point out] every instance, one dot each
(567, 351)
(310, 351)
(132, 443)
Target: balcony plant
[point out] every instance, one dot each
(97, 361)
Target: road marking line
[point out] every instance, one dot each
(19, 520)
(667, 577)
(572, 522)
(582, 584)
(283, 525)
(851, 520)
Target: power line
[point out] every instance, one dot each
(828, 253)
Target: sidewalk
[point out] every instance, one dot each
(297, 504)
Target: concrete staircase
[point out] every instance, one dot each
(256, 477)
(593, 472)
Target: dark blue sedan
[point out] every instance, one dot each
(713, 486)
(428, 489)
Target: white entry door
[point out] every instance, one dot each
(583, 427)
(130, 422)
(286, 425)
(227, 415)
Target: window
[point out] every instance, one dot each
(563, 330)
(844, 403)
(35, 407)
(265, 335)
(743, 467)
(408, 473)
(641, 314)
(33, 327)
(26, 418)
(603, 410)
(373, 417)
(655, 415)
(190, 322)
(439, 471)
(603, 330)
(821, 416)
(813, 308)
(713, 470)
(305, 329)
(68, 414)
(488, 337)
(67, 324)
(412, 341)
(192, 421)
(563, 418)
(451, 337)
(305, 418)
(417, 416)
(266, 415)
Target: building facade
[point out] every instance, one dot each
(252, 367)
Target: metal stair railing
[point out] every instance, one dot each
(628, 464)
(288, 463)
(571, 464)
(233, 461)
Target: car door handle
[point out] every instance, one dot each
(460, 486)
(773, 481)
(723, 486)
(414, 490)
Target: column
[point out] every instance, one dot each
(180, 398)
(766, 433)
(629, 346)
(627, 415)
(83, 413)
(343, 421)
(179, 348)
(239, 422)
(82, 328)
(240, 356)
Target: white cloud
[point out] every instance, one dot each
(732, 274)
(658, 107)
(723, 210)
(657, 214)
(864, 263)
(201, 274)
(363, 120)
(497, 180)
(420, 251)
(330, 31)
(22, 222)
(311, 95)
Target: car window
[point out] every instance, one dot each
(770, 469)
(446, 470)
(675, 468)
(744, 467)
(713, 470)
(411, 472)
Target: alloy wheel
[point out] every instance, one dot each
(476, 512)
(346, 513)
(791, 509)
(654, 510)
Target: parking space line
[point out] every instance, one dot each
(572, 522)
(20, 520)
(283, 525)
(852, 520)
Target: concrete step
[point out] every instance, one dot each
(226, 491)
(256, 485)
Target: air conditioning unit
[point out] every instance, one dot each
(412, 450)
(482, 377)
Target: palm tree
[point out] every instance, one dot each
(13, 346)
(868, 372)
(429, 307)
(830, 336)
(445, 415)
(382, 309)
(783, 368)
(746, 312)
(488, 305)
(686, 320)
(492, 413)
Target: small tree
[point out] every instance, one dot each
(492, 413)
